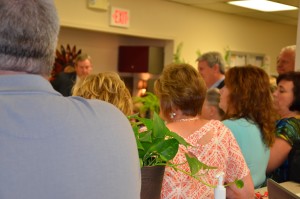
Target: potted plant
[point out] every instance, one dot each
(157, 146)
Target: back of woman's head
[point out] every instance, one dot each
(250, 97)
(180, 86)
(295, 78)
(106, 86)
(249, 87)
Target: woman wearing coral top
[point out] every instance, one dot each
(182, 91)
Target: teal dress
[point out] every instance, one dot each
(289, 130)
(256, 153)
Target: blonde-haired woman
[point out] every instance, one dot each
(106, 86)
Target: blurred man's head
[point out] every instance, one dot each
(211, 109)
(211, 66)
(286, 59)
(28, 36)
(83, 65)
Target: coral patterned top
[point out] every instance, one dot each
(221, 151)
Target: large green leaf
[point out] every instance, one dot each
(147, 122)
(195, 165)
(135, 130)
(136, 133)
(239, 183)
(145, 136)
(166, 149)
(139, 145)
(159, 129)
(178, 138)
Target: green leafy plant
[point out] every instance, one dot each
(147, 104)
(157, 145)
(177, 55)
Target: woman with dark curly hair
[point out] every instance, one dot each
(287, 104)
(248, 105)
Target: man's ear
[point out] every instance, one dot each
(212, 110)
(216, 68)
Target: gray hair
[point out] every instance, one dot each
(213, 99)
(28, 35)
(82, 57)
(213, 58)
(213, 96)
(291, 48)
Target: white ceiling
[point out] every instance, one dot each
(284, 17)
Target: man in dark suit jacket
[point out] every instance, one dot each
(65, 80)
(221, 84)
(211, 66)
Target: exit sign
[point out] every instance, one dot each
(119, 17)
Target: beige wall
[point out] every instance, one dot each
(103, 47)
(198, 30)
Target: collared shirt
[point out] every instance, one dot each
(217, 83)
(63, 147)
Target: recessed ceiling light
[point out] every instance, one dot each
(263, 5)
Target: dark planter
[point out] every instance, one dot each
(152, 178)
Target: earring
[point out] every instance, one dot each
(172, 115)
